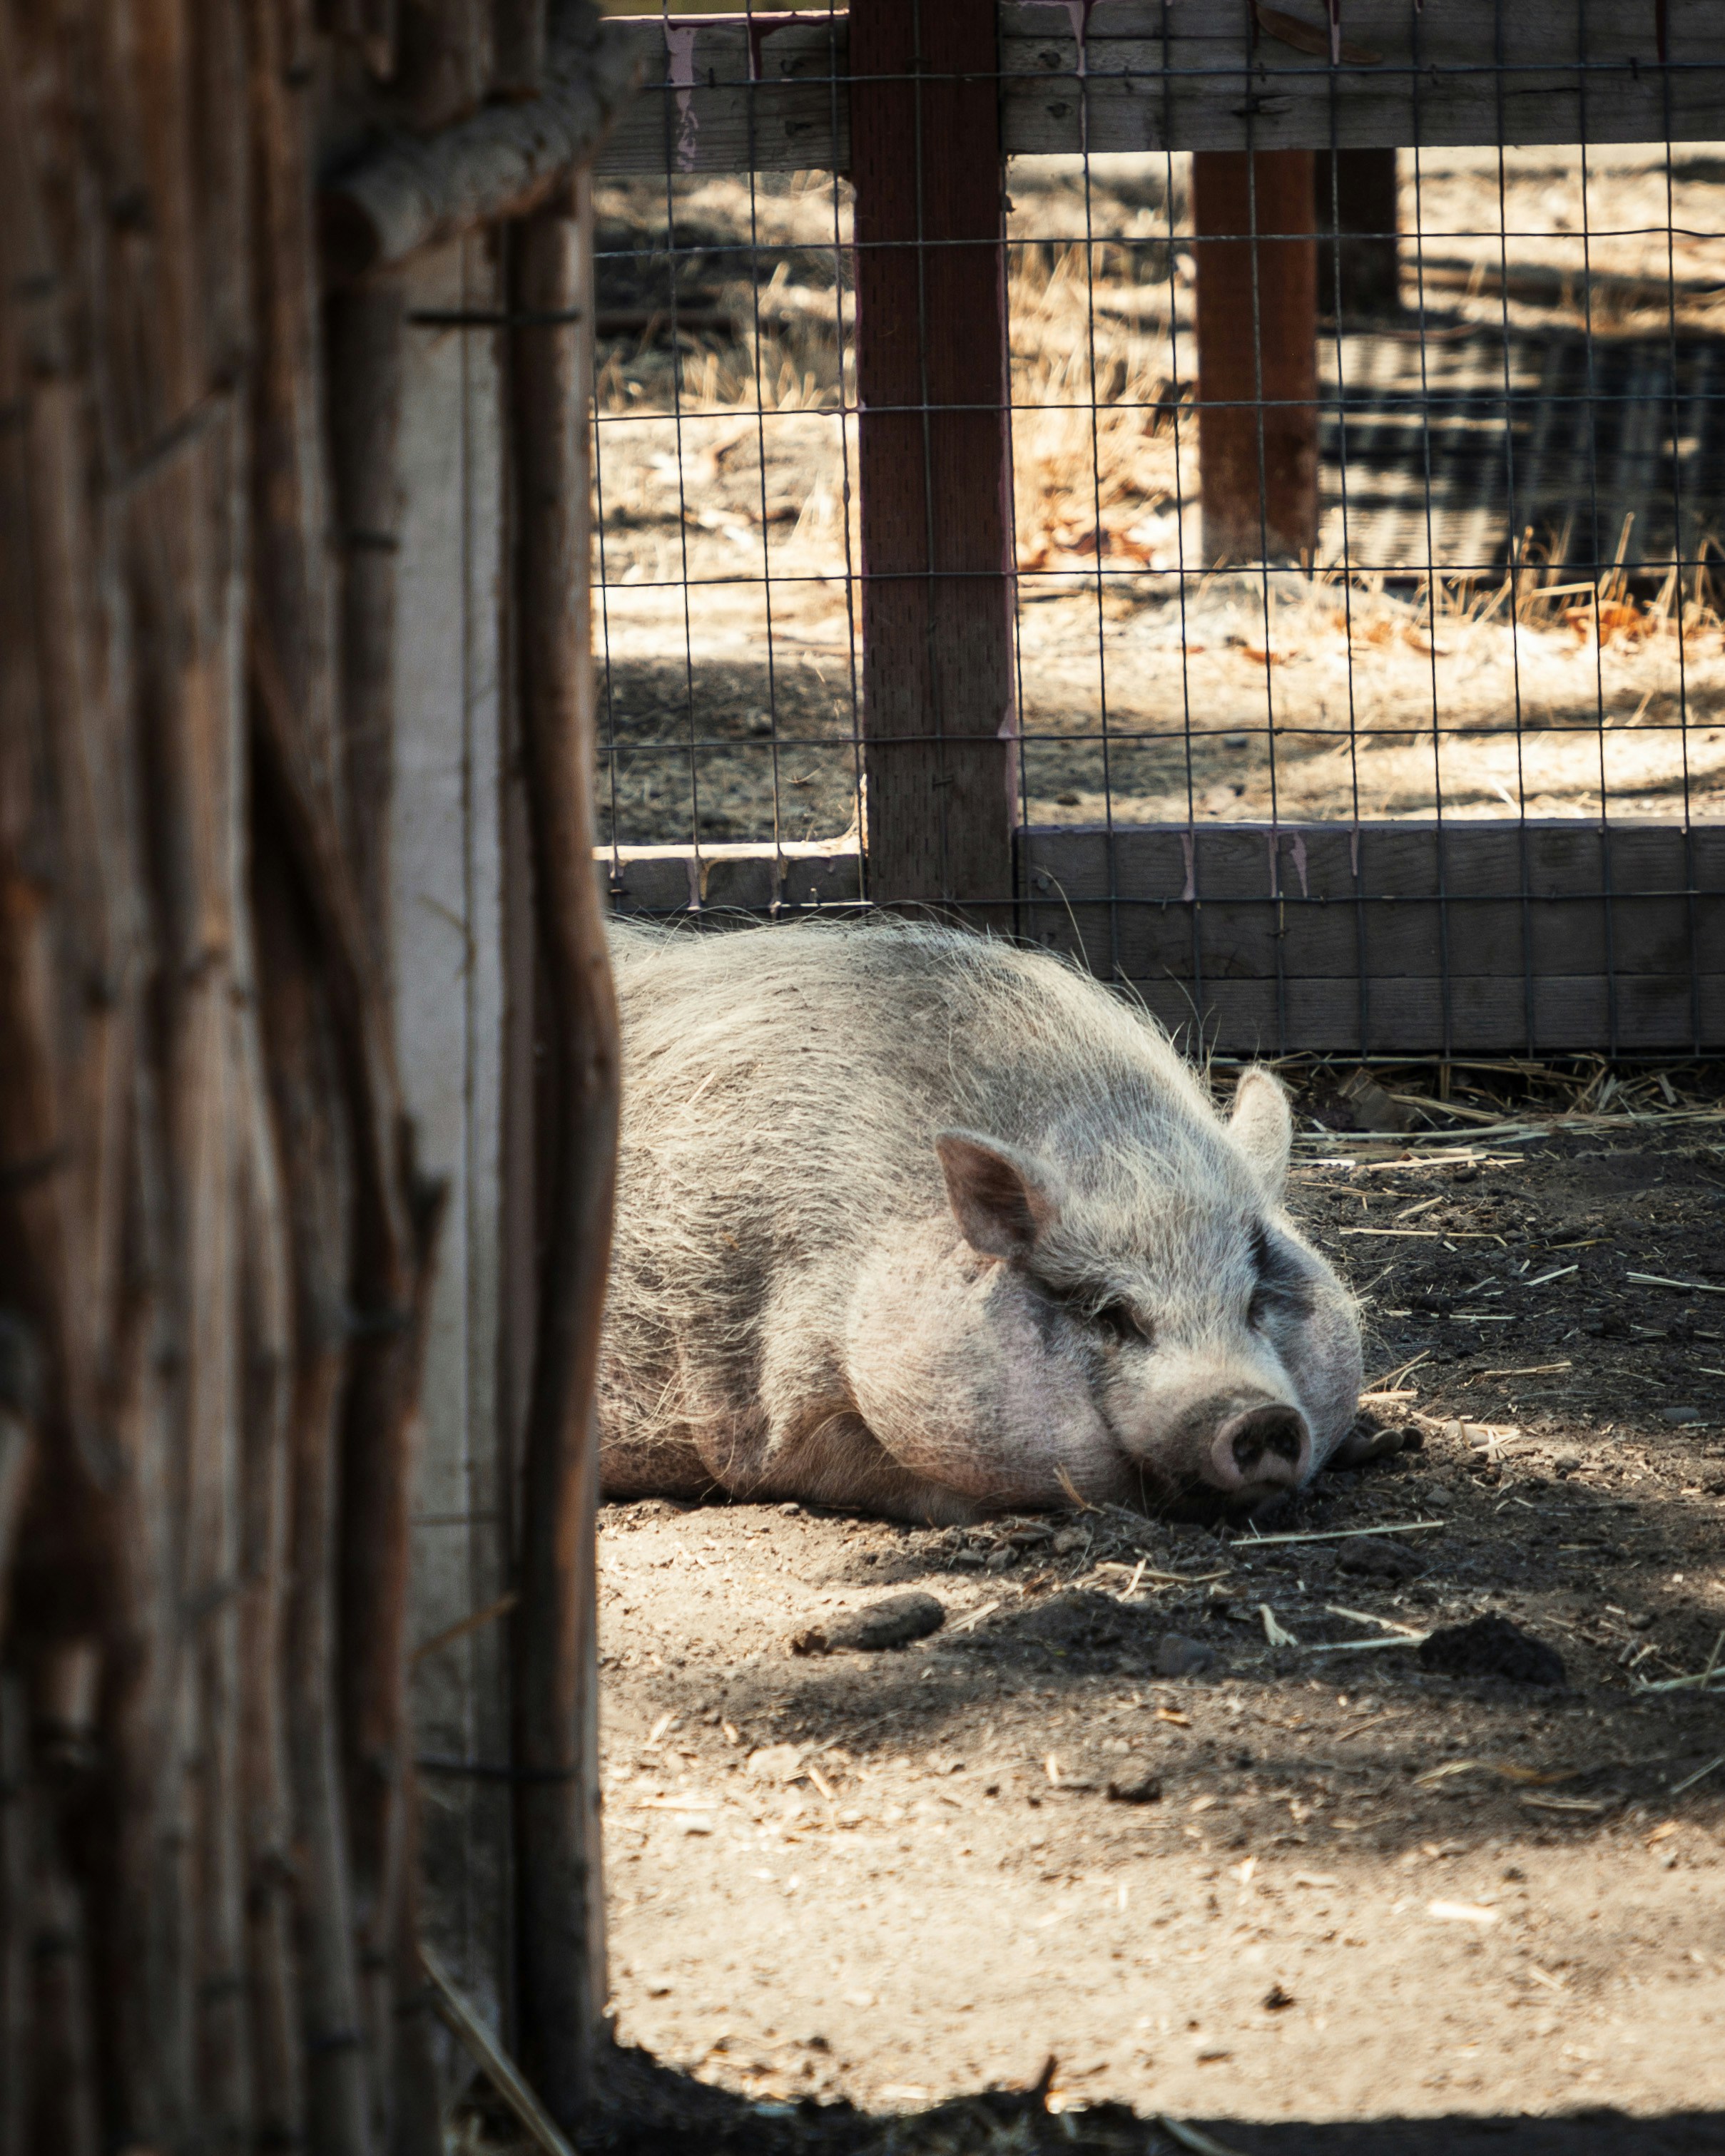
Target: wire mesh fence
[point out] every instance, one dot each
(1360, 566)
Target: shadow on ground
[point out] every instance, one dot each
(650, 2109)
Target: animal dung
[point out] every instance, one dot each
(895, 1621)
(1492, 1647)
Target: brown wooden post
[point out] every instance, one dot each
(1357, 199)
(935, 454)
(560, 1908)
(1257, 311)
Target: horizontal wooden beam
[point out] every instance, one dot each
(1468, 1014)
(1389, 938)
(767, 93)
(735, 94)
(1233, 76)
(1401, 937)
(661, 881)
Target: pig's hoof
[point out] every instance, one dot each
(894, 1622)
(1177, 1656)
(1367, 1442)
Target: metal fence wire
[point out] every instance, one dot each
(1234, 494)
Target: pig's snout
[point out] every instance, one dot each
(1259, 1449)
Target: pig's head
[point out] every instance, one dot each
(1209, 1356)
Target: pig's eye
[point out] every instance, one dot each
(1115, 1321)
(1280, 1287)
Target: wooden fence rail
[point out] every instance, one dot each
(1413, 938)
(769, 92)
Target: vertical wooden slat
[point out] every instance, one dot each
(20, 1406)
(444, 60)
(276, 2039)
(518, 30)
(184, 521)
(64, 2119)
(85, 1227)
(316, 1172)
(333, 1082)
(367, 324)
(1257, 325)
(559, 1915)
(934, 455)
(379, 1456)
(16, 1872)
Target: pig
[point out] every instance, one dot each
(919, 1222)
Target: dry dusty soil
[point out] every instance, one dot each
(1315, 1896)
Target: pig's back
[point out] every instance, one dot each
(857, 1042)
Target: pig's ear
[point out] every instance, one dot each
(997, 1197)
(1262, 1127)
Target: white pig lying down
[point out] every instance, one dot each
(919, 1222)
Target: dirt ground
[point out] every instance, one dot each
(1407, 672)
(1317, 1895)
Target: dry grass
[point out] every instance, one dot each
(1148, 691)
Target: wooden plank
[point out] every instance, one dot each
(1488, 1016)
(1257, 358)
(1471, 71)
(934, 456)
(1324, 903)
(1269, 929)
(1273, 932)
(734, 94)
(663, 881)
(1148, 77)
(447, 932)
(560, 1979)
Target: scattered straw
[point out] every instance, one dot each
(1439, 1236)
(1335, 1534)
(1382, 1386)
(1659, 1280)
(1364, 1646)
(1696, 1680)
(1080, 1503)
(1700, 1774)
(1365, 1617)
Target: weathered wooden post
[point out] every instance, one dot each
(561, 1916)
(935, 454)
(1257, 321)
(1359, 222)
